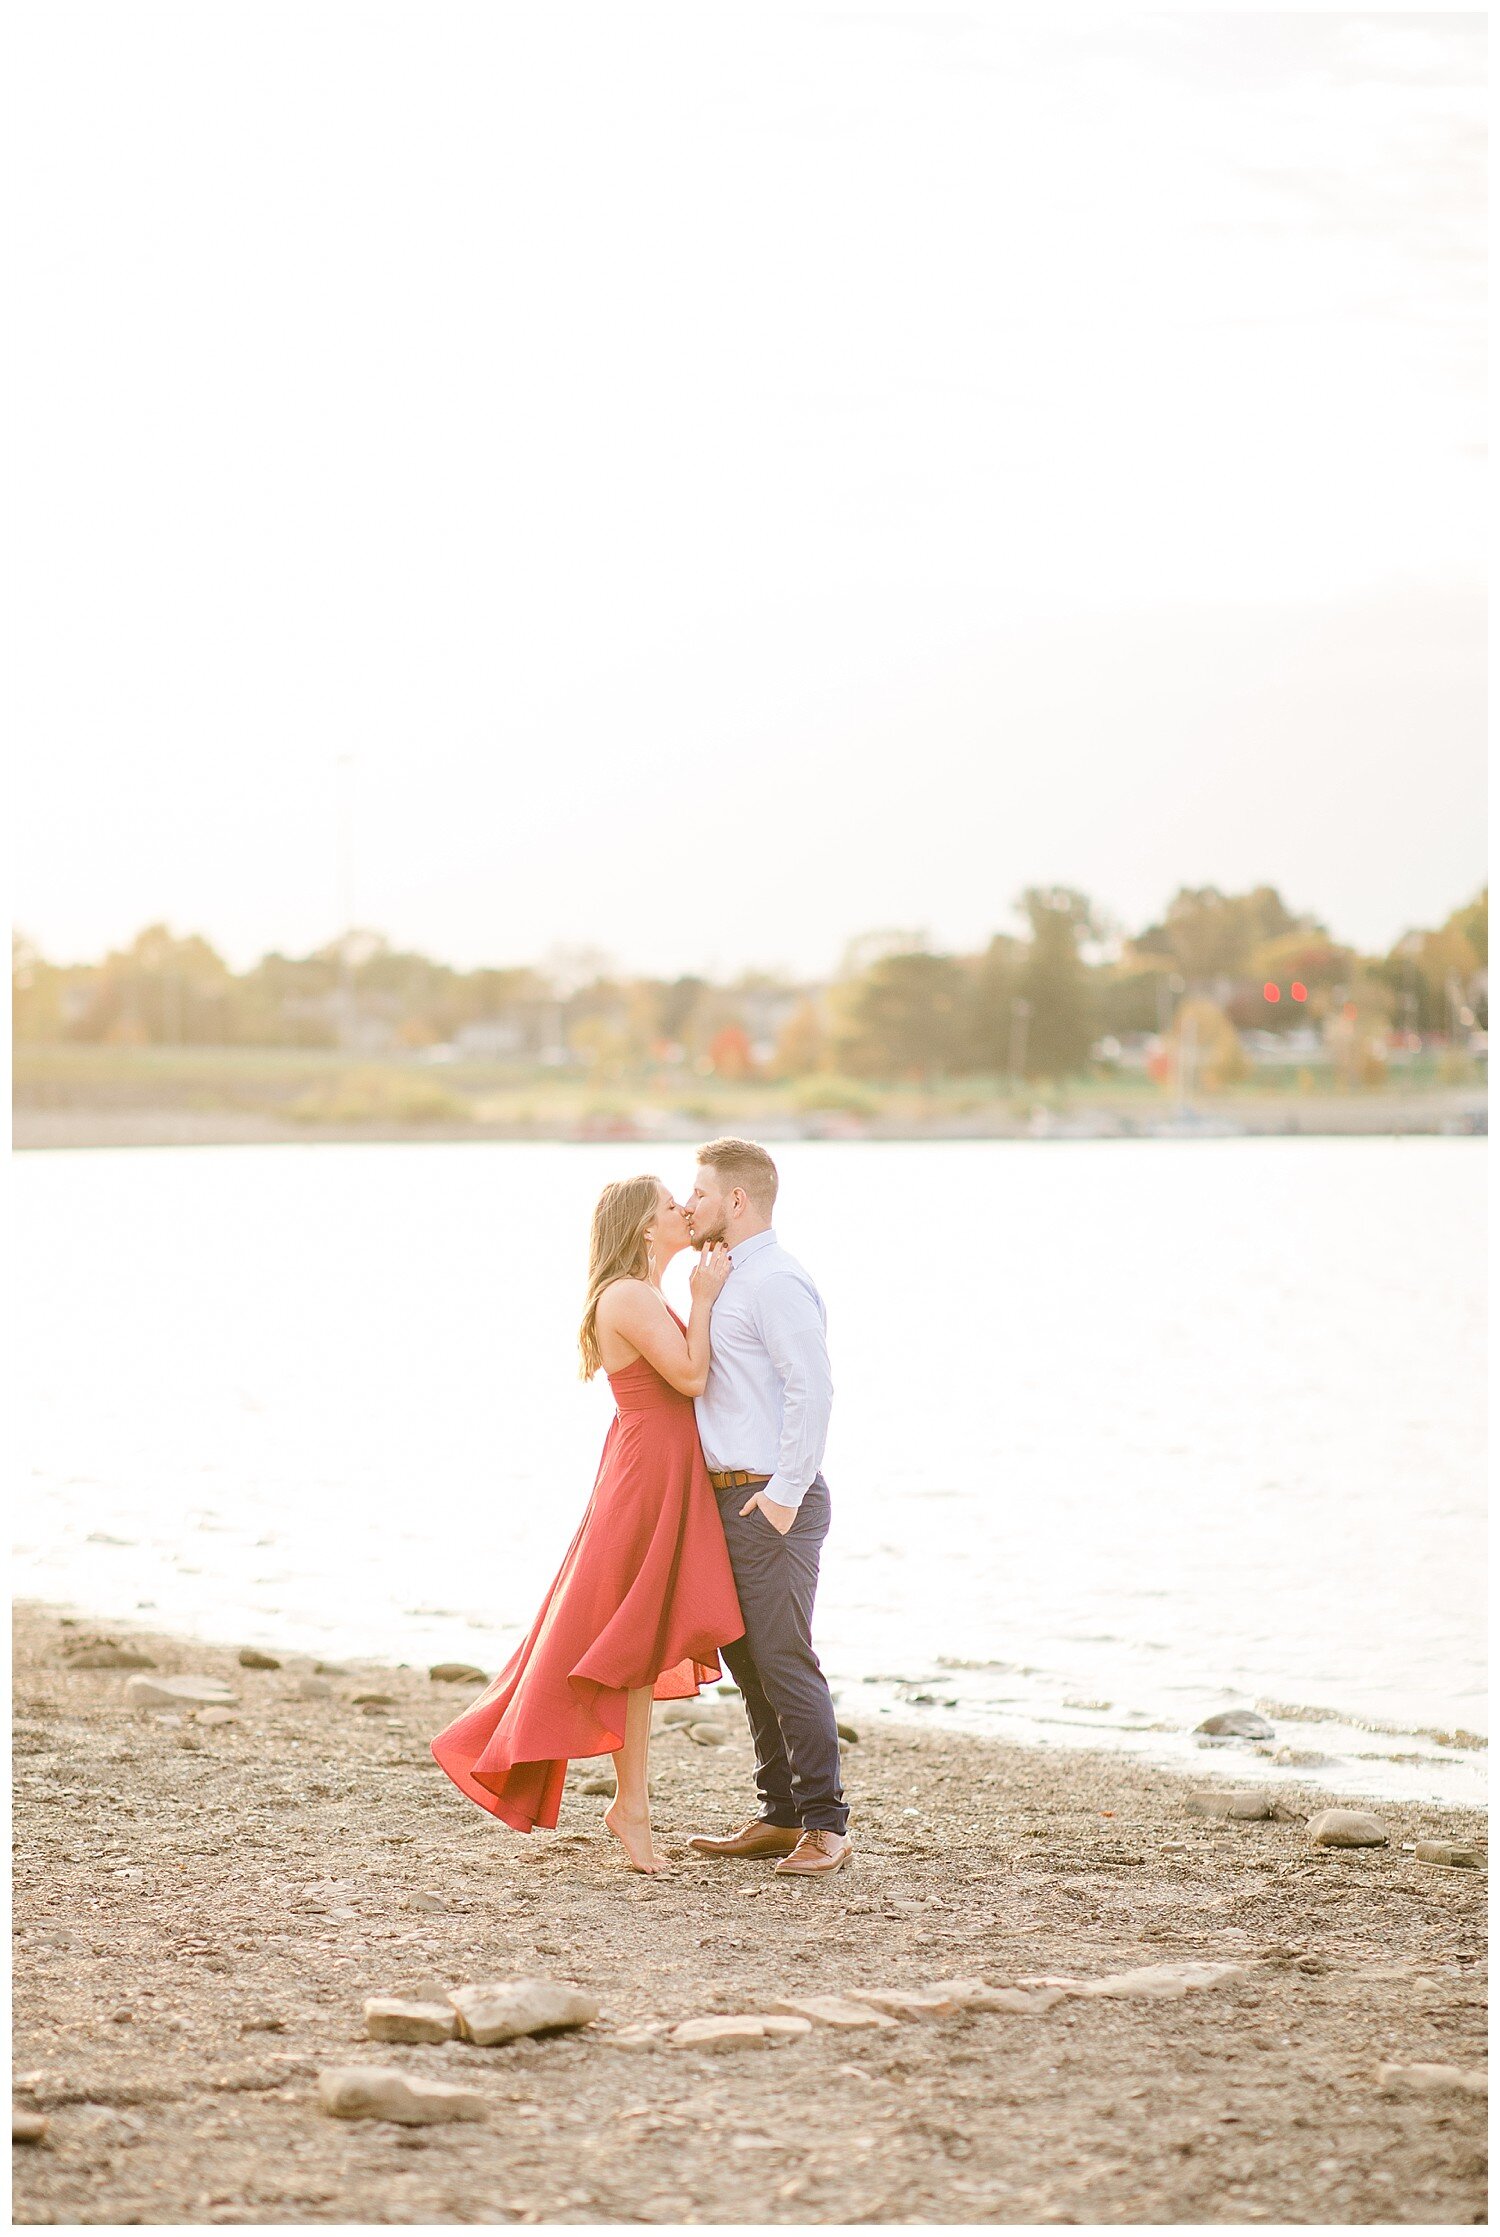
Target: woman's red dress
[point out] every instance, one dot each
(645, 1597)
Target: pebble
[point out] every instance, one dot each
(1457, 1855)
(424, 1900)
(391, 2019)
(384, 2093)
(707, 1735)
(498, 2011)
(1237, 1724)
(1246, 1803)
(729, 2031)
(329, 1670)
(849, 1733)
(173, 1693)
(27, 2128)
(107, 1657)
(313, 1689)
(251, 1658)
(457, 1673)
(668, 1713)
(1346, 1829)
(834, 2011)
(383, 1700)
(1433, 2081)
(217, 1716)
(600, 1783)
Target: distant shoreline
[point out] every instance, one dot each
(1451, 1111)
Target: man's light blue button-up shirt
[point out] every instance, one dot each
(769, 1391)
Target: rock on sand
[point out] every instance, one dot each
(729, 2031)
(1248, 1803)
(1432, 2081)
(1346, 1829)
(392, 2019)
(1237, 1724)
(384, 2093)
(177, 1693)
(106, 1656)
(1459, 1856)
(498, 2011)
(834, 2011)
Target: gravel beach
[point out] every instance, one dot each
(206, 1895)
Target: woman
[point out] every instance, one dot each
(645, 1596)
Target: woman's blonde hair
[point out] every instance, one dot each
(617, 1248)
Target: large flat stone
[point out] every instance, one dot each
(384, 2093)
(1028, 1999)
(1346, 1829)
(833, 2011)
(727, 2031)
(498, 2011)
(394, 2019)
(909, 2003)
(1160, 1983)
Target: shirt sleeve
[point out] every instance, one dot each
(791, 1327)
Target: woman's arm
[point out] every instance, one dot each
(638, 1313)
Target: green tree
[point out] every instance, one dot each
(990, 1020)
(1057, 983)
(903, 1016)
(1209, 935)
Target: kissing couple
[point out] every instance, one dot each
(701, 1536)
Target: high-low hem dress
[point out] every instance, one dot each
(645, 1596)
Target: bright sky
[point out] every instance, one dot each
(737, 476)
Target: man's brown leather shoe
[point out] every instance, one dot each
(819, 1850)
(755, 1839)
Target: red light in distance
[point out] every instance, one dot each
(1271, 991)
(1299, 991)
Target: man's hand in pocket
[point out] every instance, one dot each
(780, 1518)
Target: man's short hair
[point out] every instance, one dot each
(743, 1165)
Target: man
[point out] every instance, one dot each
(763, 1420)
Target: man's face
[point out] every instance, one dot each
(707, 1207)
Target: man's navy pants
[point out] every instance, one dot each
(786, 1694)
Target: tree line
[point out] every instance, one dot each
(1065, 991)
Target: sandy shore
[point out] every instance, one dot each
(131, 1125)
(203, 1906)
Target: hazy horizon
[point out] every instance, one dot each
(732, 480)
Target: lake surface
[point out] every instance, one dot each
(1125, 1432)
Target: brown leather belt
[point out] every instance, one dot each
(734, 1479)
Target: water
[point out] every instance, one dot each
(1125, 1433)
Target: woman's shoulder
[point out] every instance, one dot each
(623, 1292)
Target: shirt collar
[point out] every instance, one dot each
(751, 1245)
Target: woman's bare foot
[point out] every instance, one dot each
(632, 1829)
